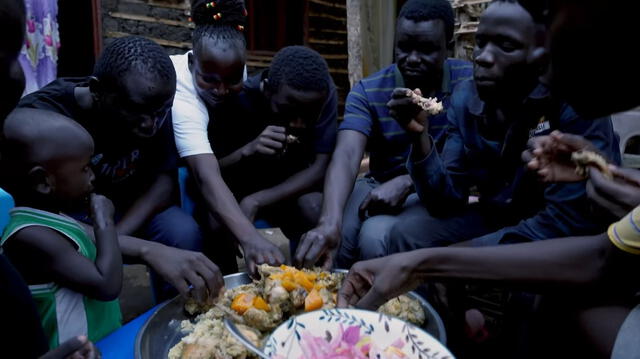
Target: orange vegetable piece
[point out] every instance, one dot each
(259, 303)
(312, 277)
(288, 285)
(242, 302)
(303, 281)
(313, 301)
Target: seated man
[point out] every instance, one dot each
(275, 138)
(591, 274)
(490, 121)
(126, 107)
(423, 35)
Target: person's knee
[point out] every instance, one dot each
(176, 228)
(373, 239)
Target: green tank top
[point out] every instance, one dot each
(63, 312)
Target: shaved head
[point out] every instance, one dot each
(39, 137)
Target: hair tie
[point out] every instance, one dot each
(217, 16)
(210, 5)
(245, 12)
(240, 28)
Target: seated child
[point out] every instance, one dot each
(281, 129)
(74, 281)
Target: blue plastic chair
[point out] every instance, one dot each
(6, 204)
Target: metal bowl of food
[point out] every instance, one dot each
(162, 330)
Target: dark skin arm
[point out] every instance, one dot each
(268, 143)
(555, 263)
(220, 201)
(46, 255)
(296, 184)
(179, 267)
(319, 245)
(156, 199)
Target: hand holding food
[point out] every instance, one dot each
(411, 110)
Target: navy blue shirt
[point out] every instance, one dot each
(366, 111)
(531, 210)
(240, 120)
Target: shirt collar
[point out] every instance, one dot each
(539, 94)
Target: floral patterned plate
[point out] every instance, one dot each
(351, 333)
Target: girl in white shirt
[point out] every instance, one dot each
(206, 76)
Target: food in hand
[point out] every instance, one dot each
(429, 104)
(258, 308)
(583, 159)
(292, 139)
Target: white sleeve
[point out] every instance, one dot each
(190, 115)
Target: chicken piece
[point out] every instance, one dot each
(297, 297)
(261, 320)
(583, 159)
(405, 308)
(429, 104)
(327, 298)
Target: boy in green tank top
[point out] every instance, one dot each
(74, 277)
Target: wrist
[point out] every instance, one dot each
(147, 250)
(333, 223)
(246, 151)
(103, 223)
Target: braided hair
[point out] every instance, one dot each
(221, 20)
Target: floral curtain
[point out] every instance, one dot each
(39, 55)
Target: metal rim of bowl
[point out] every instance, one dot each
(231, 277)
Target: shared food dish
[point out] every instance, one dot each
(258, 308)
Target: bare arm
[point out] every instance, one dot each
(550, 264)
(45, 254)
(158, 198)
(222, 204)
(323, 241)
(341, 175)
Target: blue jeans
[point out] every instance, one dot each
(369, 238)
(175, 228)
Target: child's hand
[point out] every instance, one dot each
(101, 210)
(269, 142)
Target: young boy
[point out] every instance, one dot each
(281, 129)
(74, 281)
(358, 214)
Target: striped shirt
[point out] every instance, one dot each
(625, 234)
(366, 111)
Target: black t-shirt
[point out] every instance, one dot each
(241, 119)
(125, 167)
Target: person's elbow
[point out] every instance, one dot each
(107, 291)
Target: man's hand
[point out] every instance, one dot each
(618, 196)
(388, 198)
(550, 156)
(369, 284)
(184, 269)
(258, 251)
(269, 142)
(75, 348)
(250, 207)
(406, 112)
(318, 246)
(101, 210)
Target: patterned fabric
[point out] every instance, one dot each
(39, 55)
